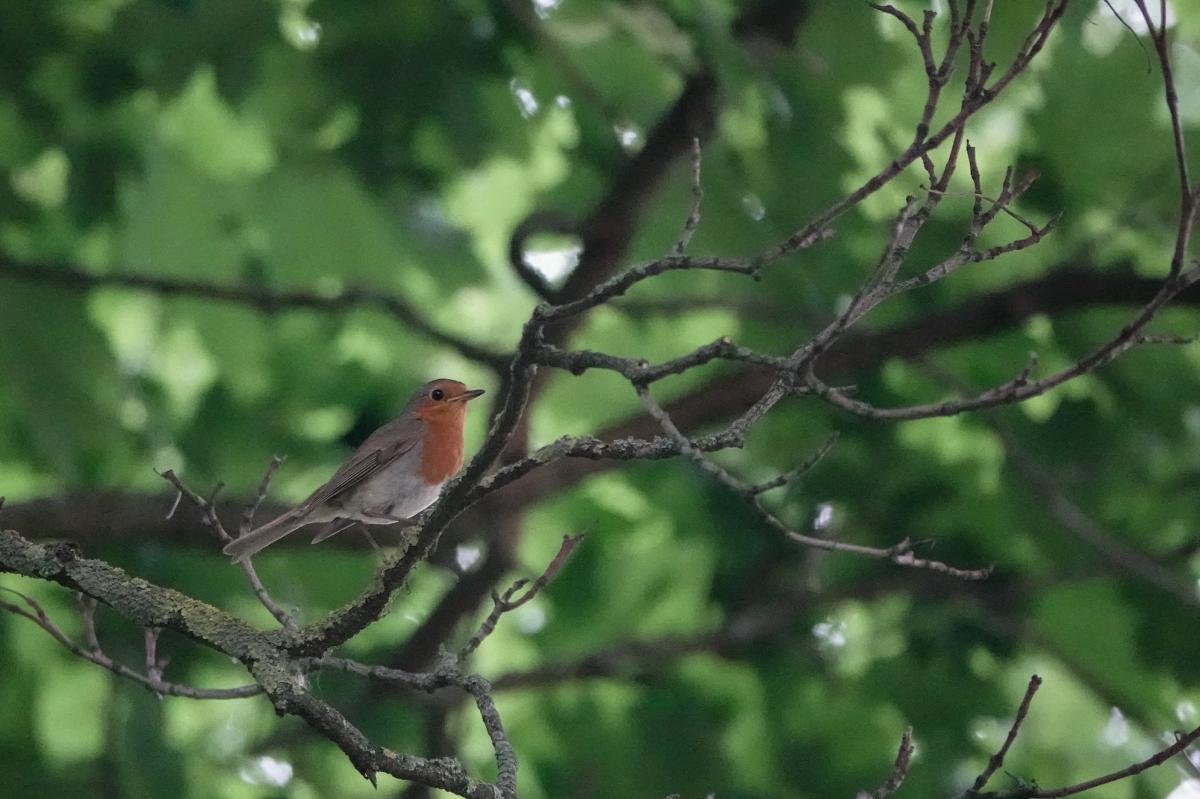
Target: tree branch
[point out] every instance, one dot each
(1182, 742)
(152, 680)
(900, 554)
(997, 760)
(510, 602)
(75, 278)
(205, 506)
(116, 516)
(280, 678)
(899, 770)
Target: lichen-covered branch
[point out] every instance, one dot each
(276, 675)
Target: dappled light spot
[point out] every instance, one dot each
(824, 516)
(466, 556)
(527, 103)
(298, 29)
(830, 634)
(1116, 732)
(629, 135)
(217, 139)
(531, 618)
(553, 256)
(1188, 789)
(43, 181)
(543, 8)
(324, 424)
(752, 204)
(267, 770)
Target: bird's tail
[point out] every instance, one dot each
(242, 547)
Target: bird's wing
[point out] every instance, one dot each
(380, 449)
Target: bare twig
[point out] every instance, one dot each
(507, 602)
(639, 371)
(207, 509)
(369, 759)
(997, 760)
(151, 680)
(900, 554)
(247, 522)
(1020, 388)
(87, 614)
(804, 468)
(154, 667)
(693, 218)
(1181, 743)
(899, 770)
(174, 505)
(1187, 193)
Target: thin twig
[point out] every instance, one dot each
(693, 218)
(899, 769)
(174, 506)
(901, 554)
(804, 468)
(209, 513)
(638, 370)
(152, 680)
(1003, 207)
(1182, 742)
(247, 523)
(1187, 194)
(506, 603)
(997, 760)
(1020, 389)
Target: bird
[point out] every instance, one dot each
(396, 473)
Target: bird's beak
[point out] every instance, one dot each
(467, 395)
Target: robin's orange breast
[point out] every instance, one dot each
(442, 450)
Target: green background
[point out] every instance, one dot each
(323, 146)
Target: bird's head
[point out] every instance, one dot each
(442, 400)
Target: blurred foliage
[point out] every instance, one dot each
(283, 144)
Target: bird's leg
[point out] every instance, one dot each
(371, 541)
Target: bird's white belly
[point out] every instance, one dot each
(398, 490)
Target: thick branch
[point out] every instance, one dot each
(152, 606)
(137, 600)
(117, 517)
(73, 277)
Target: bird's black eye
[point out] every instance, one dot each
(438, 394)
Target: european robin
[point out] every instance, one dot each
(396, 473)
